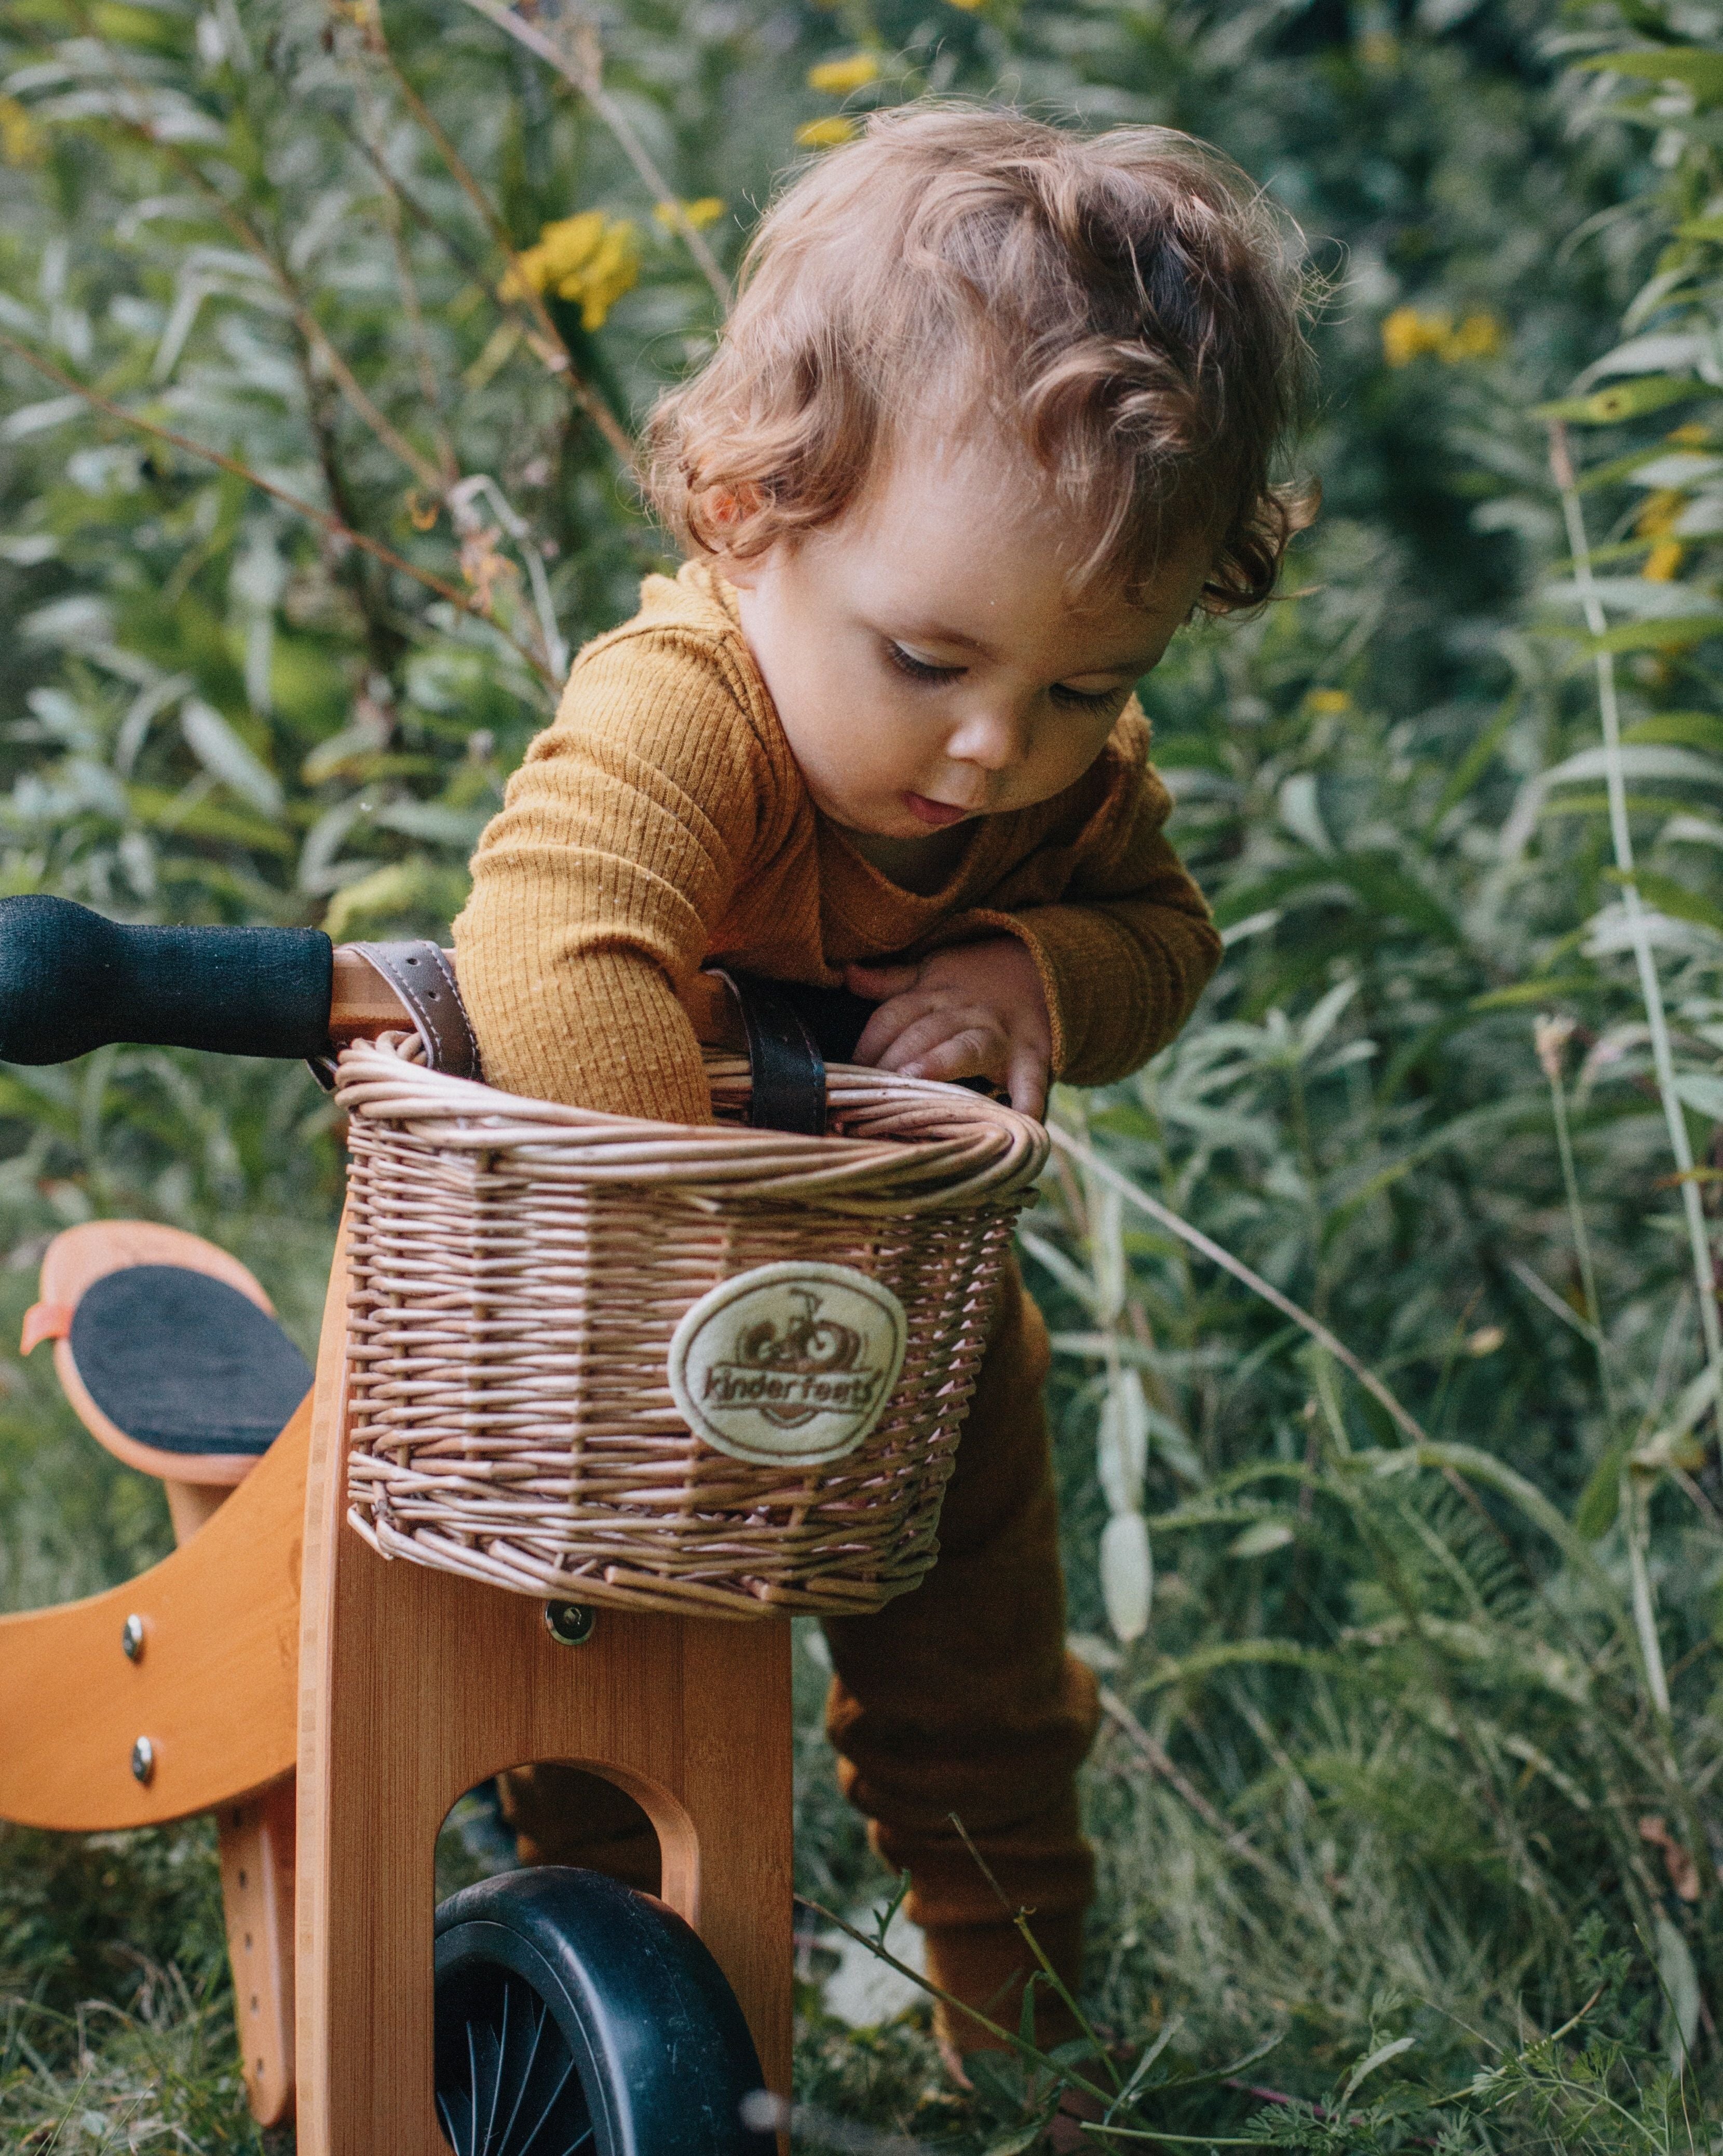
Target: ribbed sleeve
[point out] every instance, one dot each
(1121, 978)
(595, 891)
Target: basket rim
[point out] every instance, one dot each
(940, 1148)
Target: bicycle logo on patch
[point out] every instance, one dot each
(788, 1365)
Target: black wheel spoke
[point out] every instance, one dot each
(525, 2077)
(501, 2069)
(544, 2115)
(507, 2074)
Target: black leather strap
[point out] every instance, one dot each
(788, 1091)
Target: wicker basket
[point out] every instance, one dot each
(711, 1370)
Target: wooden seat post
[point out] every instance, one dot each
(415, 1685)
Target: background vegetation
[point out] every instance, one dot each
(322, 325)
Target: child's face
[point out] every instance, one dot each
(925, 661)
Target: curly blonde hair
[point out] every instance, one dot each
(1127, 306)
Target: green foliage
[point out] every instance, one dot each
(1409, 1748)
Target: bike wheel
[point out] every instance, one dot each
(576, 2017)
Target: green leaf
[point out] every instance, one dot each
(1601, 1499)
(1702, 729)
(1535, 991)
(1702, 1092)
(1692, 66)
(1259, 1540)
(1671, 633)
(998, 2079)
(209, 819)
(1475, 763)
(1624, 400)
(1235, 1653)
(1670, 897)
(1020, 2139)
(1365, 2067)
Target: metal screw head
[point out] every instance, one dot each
(143, 1761)
(570, 1624)
(131, 1638)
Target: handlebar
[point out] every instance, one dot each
(71, 980)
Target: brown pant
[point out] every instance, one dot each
(956, 1699)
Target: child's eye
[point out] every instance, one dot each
(1087, 699)
(920, 669)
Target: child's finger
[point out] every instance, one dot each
(1028, 1083)
(915, 1041)
(893, 1017)
(973, 1052)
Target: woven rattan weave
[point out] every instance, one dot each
(520, 1271)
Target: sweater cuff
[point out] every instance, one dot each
(1096, 982)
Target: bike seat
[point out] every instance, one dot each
(167, 1349)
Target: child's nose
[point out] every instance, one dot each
(993, 740)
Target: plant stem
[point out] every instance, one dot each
(308, 510)
(1582, 1240)
(1620, 838)
(1634, 1512)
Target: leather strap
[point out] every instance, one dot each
(422, 978)
(788, 1088)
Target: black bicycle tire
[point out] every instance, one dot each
(662, 2052)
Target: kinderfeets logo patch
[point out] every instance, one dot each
(791, 1363)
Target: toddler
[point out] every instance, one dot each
(994, 415)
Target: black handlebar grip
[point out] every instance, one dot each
(71, 980)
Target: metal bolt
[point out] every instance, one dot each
(570, 1624)
(143, 1761)
(131, 1638)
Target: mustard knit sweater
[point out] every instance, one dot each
(662, 822)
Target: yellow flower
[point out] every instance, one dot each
(969, 7)
(838, 78)
(826, 134)
(589, 258)
(1663, 562)
(22, 141)
(1328, 703)
(1479, 336)
(1693, 436)
(708, 210)
(1407, 334)
(1660, 511)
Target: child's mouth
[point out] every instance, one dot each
(938, 813)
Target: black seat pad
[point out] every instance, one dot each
(184, 1363)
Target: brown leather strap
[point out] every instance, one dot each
(787, 1088)
(422, 978)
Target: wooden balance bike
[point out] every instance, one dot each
(329, 1708)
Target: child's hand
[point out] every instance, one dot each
(975, 1010)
